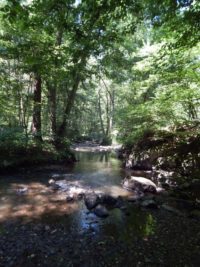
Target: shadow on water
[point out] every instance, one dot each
(101, 171)
(39, 228)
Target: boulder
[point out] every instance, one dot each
(101, 211)
(139, 184)
(120, 202)
(91, 200)
(51, 181)
(162, 191)
(107, 199)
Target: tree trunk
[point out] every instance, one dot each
(112, 107)
(36, 124)
(100, 113)
(52, 108)
(71, 96)
(107, 116)
(52, 92)
(70, 101)
(110, 99)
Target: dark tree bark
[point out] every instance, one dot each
(70, 102)
(36, 124)
(100, 114)
(52, 92)
(109, 108)
(76, 78)
(52, 109)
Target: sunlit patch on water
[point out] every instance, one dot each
(114, 190)
(31, 198)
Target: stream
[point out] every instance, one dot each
(39, 228)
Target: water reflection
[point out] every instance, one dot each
(137, 224)
(100, 171)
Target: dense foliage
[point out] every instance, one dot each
(103, 70)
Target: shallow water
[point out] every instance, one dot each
(39, 222)
(98, 170)
(101, 171)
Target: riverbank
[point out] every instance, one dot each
(13, 158)
(172, 155)
(44, 153)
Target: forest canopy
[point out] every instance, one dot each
(99, 70)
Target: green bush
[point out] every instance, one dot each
(106, 141)
(65, 143)
(135, 136)
(12, 139)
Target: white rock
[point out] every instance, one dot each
(139, 184)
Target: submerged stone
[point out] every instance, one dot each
(101, 211)
(107, 199)
(91, 200)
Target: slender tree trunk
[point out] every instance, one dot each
(71, 96)
(192, 113)
(36, 124)
(52, 107)
(110, 99)
(107, 116)
(52, 92)
(112, 106)
(100, 114)
(70, 102)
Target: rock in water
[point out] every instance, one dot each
(107, 199)
(22, 191)
(91, 200)
(101, 211)
(51, 181)
(141, 184)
